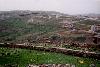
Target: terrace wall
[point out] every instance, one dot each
(65, 51)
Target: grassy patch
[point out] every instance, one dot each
(23, 57)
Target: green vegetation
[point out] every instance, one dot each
(82, 25)
(85, 24)
(89, 22)
(14, 27)
(23, 57)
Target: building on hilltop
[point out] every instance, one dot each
(93, 28)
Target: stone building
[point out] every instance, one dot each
(93, 28)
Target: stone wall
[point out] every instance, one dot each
(79, 53)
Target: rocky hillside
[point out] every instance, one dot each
(21, 25)
(15, 24)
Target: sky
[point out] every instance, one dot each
(64, 6)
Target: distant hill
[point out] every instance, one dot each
(21, 24)
(14, 24)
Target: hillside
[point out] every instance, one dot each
(22, 25)
(14, 24)
(78, 37)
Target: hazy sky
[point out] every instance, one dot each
(64, 6)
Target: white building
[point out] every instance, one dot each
(93, 28)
